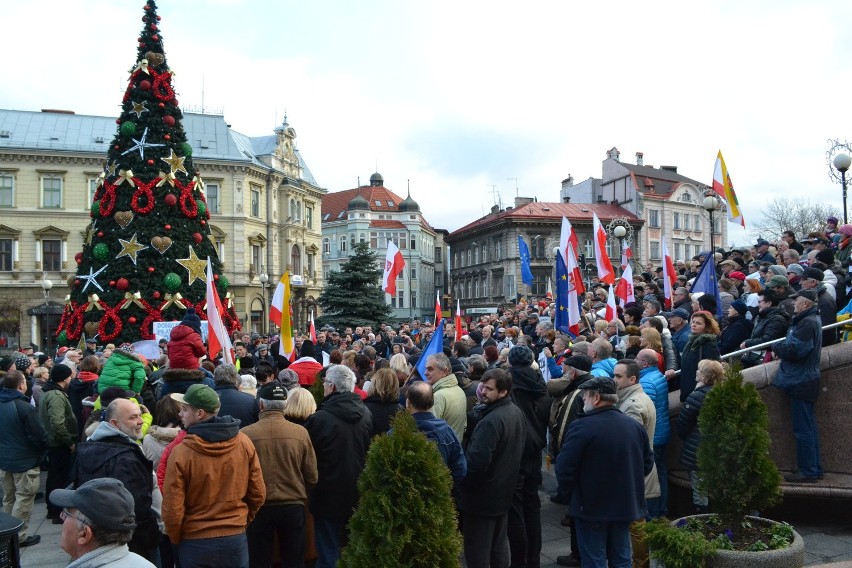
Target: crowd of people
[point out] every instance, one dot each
(222, 460)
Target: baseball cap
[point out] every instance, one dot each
(105, 501)
(272, 391)
(603, 385)
(806, 294)
(679, 312)
(199, 396)
(761, 242)
(814, 273)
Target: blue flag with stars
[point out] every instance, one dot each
(707, 282)
(562, 296)
(524, 252)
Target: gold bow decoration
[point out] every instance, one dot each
(143, 65)
(101, 179)
(199, 183)
(166, 177)
(126, 176)
(94, 303)
(173, 300)
(131, 298)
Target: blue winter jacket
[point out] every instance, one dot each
(798, 374)
(604, 368)
(23, 443)
(655, 386)
(437, 430)
(602, 465)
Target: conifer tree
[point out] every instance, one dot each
(353, 296)
(146, 250)
(405, 515)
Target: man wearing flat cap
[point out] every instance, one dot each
(97, 523)
(798, 376)
(762, 252)
(827, 307)
(603, 463)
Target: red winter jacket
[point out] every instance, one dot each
(307, 369)
(185, 347)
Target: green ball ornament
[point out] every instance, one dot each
(223, 282)
(171, 281)
(186, 149)
(101, 252)
(128, 128)
(63, 338)
(202, 207)
(96, 208)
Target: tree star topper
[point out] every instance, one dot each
(141, 144)
(90, 278)
(176, 162)
(196, 267)
(130, 248)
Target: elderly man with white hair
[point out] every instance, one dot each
(340, 433)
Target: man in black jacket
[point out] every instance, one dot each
(240, 405)
(113, 451)
(340, 433)
(22, 448)
(493, 455)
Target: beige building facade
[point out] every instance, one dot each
(264, 205)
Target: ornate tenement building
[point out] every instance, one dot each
(263, 200)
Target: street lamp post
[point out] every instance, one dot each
(710, 205)
(842, 163)
(46, 285)
(264, 280)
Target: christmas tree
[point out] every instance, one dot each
(341, 307)
(145, 255)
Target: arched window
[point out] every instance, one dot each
(296, 259)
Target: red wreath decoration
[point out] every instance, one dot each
(74, 326)
(188, 206)
(143, 190)
(110, 317)
(147, 328)
(162, 86)
(107, 205)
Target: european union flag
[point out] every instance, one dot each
(524, 251)
(563, 286)
(435, 345)
(707, 282)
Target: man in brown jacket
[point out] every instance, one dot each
(213, 487)
(289, 471)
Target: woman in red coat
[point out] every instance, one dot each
(185, 345)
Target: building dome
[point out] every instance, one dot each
(376, 180)
(408, 205)
(359, 203)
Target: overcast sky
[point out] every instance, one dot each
(459, 96)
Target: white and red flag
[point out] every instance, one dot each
(606, 274)
(567, 236)
(438, 316)
(669, 275)
(458, 322)
(576, 289)
(217, 336)
(611, 309)
(394, 263)
(624, 290)
(313, 330)
(281, 314)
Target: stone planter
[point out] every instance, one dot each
(791, 557)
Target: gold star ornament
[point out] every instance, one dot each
(139, 108)
(176, 162)
(130, 248)
(196, 267)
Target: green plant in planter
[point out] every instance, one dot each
(733, 456)
(677, 547)
(406, 515)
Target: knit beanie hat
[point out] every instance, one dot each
(126, 347)
(6, 363)
(520, 356)
(740, 306)
(59, 373)
(307, 349)
(288, 379)
(826, 256)
(192, 320)
(22, 363)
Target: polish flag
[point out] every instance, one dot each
(313, 330)
(611, 310)
(624, 290)
(605, 272)
(438, 316)
(575, 291)
(217, 336)
(458, 321)
(394, 263)
(566, 236)
(669, 275)
(280, 313)
(626, 255)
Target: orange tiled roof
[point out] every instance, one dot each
(338, 201)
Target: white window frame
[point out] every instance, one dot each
(214, 204)
(10, 188)
(61, 180)
(254, 203)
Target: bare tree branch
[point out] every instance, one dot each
(793, 214)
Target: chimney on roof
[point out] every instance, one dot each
(521, 201)
(566, 199)
(495, 209)
(640, 159)
(672, 169)
(614, 154)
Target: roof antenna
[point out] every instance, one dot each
(202, 93)
(408, 181)
(359, 181)
(516, 185)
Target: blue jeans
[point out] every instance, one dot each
(329, 537)
(659, 506)
(604, 545)
(807, 437)
(231, 551)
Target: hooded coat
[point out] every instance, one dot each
(214, 484)
(24, 441)
(769, 324)
(451, 404)
(798, 374)
(123, 370)
(57, 417)
(604, 368)
(529, 393)
(179, 380)
(340, 433)
(185, 348)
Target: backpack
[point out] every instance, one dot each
(559, 422)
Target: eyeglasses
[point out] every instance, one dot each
(65, 515)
